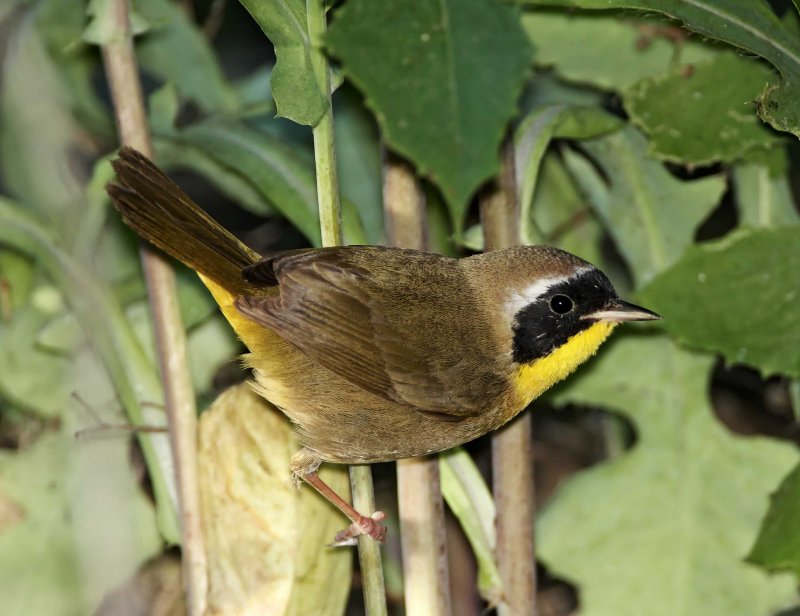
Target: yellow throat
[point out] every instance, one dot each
(535, 378)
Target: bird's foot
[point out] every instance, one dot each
(369, 526)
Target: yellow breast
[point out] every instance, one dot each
(535, 378)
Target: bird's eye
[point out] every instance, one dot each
(561, 304)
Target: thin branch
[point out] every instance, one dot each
(214, 19)
(512, 462)
(330, 220)
(123, 76)
(422, 529)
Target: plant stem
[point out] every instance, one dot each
(422, 529)
(330, 220)
(122, 71)
(330, 211)
(369, 553)
(512, 461)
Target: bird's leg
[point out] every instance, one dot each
(361, 524)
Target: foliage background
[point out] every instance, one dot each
(666, 157)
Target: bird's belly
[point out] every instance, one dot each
(341, 422)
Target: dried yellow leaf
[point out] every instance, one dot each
(266, 540)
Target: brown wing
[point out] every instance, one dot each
(397, 323)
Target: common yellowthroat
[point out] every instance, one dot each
(378, 353)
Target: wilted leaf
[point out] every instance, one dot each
(751, 25)
(614, 52)
(651, 214)
(705, 115)
(763, 194)
(442, 89)
(297, 94)
(157, 589)
(737, 296)
(266, 540)
(663, 528)
(778, 545)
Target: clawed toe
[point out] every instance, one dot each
(369, 526)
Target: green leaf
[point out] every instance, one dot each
(102, 28)
(24, 366)
(442, 78)
(62, 335)
(777, 547)
(209, 346)
(749, 24)
(103, 323)
(665, 524)
(175, 50)
(651, 214)
(563, 217)
(546, 88)
(744, 291)
(705, 115)
(268, 166)
(532, 138)
(61, 24)
(468, 497)
(196, 303)
(230, 181)
(358, 157)
(273, 171)
(17, 275)
(614, 52)
(297, 94)
(36, 163)
(255, 92)
(73, 523)
(763, 194)
(560, 216)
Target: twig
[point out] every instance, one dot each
(422, 529)
(123, 76)
(214, 18)
(512, 470)
(102, 425)
(330, 220)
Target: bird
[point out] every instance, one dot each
(378, 353)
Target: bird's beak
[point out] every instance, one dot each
(619, 311)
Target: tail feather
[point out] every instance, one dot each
(159, 211)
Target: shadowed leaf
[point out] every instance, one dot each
(705, 115)
(749, 24)
(297, 94)
(737, 296)
(442, 90)
(651, 214)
